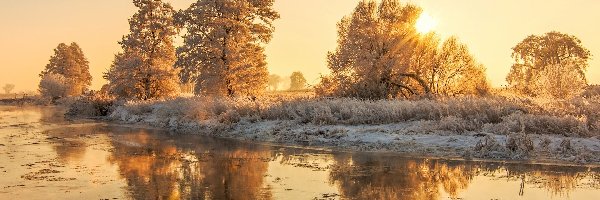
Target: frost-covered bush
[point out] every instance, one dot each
(489, 147)
(591, 91)
(354, 111)
(519, 144)
(539, 124)
(91, 105)
(496, 115)
(455, 124)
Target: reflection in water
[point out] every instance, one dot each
(156, 165)
(196, 169)
(370, 177)
(126, 162)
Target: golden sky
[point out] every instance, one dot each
(31, 29)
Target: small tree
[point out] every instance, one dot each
(274, 81)
(553, 64)
(145, 68)
(297, 81)
(8, 88)
(70, 63)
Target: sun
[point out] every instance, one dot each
(425, 23)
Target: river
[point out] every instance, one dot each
(44, 156)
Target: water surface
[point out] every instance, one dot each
(44, 156)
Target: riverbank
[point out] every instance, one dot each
(496, 128)
(45, 156)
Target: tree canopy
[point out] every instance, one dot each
(297, 81)
(144, 70)
(223, 50)
(70, 63)
(381, 55)
(552, 64)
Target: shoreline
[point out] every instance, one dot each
(258, 133)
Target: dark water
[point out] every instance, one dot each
(42, 156)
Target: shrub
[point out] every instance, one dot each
(498, 115)
(91, 105)
(520, 144)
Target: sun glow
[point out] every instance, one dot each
(425, 23)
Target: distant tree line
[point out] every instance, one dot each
(379, 54)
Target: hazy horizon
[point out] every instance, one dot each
(303, 36)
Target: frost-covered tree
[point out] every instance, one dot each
(455, 71)
(274, 81)
(297, 81)
(8, 88)
(552, 64)
(372, 58)
(223, 52)
(381, 55)
(69, 62)
(144, 70)
(54, 86)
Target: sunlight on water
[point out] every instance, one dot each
(41, 157)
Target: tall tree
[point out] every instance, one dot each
(297, 81)
(144, 70)
(372, 56)
(223, 52)
(69, 62)
(552, 64)
(8, 88)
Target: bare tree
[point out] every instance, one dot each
(8, 88)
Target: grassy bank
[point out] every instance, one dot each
(498, 127)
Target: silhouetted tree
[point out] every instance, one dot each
(297, 81)
(553, 64)
(8, 88)
(144, 70)
(223, 52)
(274, 81)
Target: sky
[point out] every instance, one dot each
(31, 29)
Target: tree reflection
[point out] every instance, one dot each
(376, 178)
(372, 177)
(190, 168)
(71, 143)
(159, 166)
(558, 180)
